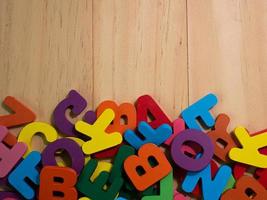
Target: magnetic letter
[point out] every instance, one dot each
(186, 162)
(178, 126)
(220, 135)
(212, 189)
(72, 148)
(246, 188)
(200, 109)
(260, 174)
(57, 183)
(22, 114)
(146, 105)
(102, 166)
(152, 174)
(26, 169)
(126, 110)
(101, 140)
(127, 190)
(27, 133)
(166, 189)
(80, 142)
(95, 189)
(155, 136)
(249, 153)
(123, 111)
(9, 157)
(77, 104)
(124, 152)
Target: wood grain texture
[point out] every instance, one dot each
(105, 49)
(46, 50)
(139, 47)
(227, 55)
(175, 50)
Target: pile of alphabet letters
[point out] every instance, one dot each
(129, 151)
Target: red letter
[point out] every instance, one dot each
(57, 183)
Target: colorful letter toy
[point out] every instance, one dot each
(149, 172)
(239, 169)
(183, 160)
(26, 170)
(127, 189)
(95, 189)
(166, 159)
(58, 183)
(73, 150)
(212, 189)
(166, 189)
(125, 118)
(124, 152)
(22, 114)
(221, 136)
(77, 104)
(178, 126)
(125, 111)
(156, 136)
(101, 140)
(249, 153)
(147, 108)
(80, 142)
(9, 157)
(246, 188)
(200, 109)
(27, 133)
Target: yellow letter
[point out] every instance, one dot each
(249, 153)
(100, 139)
(31, 129)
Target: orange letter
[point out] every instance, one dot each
(21, 114)
(126, 112)
(221, 136)
(140, 169)
(246, 188)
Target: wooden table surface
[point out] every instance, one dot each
(175, 50)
